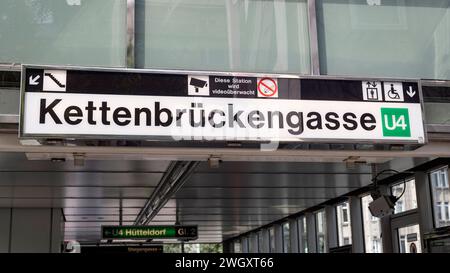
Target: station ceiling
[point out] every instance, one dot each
(224, 202)
(249, 188)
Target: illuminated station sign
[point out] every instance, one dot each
(81, 103)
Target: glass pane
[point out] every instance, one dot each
(191, 248)
(372, 228)
(272, 239)
(396, 38)
(253, 35)
(303, 235)
(321, 237)
(286, 238)
(261, 242)
(246, 244)
(237, 246)
(75, 32)
(253, 243)
(172, 248)
(344, 225)
(211, 248)
(441, 197)
(408, 200)
(409, 239)
(437, 113)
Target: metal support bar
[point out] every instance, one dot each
(313, 38)
(331, 228)
(294, 236)
(265, 248)
(120, 211)
(311, 232)
(357, 224)
(177, 173)
(424, 202)
(131, 33)
(244, 245)
(303, 242)
(386, 235)
(279, 244)
(16, 67)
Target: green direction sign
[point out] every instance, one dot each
(149, 232)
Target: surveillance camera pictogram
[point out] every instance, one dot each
(198, 85)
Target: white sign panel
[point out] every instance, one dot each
(208, 118)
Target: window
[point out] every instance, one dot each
(245, 244)
(408, 201)
(441, 197)
(345, 218)
(272, 239)
(343, 224)
(399, 207)
(64, 32)
(346, 241)
(303, 235)
(376, 245)
(442, 210)
(224, 35)
(402, 243)
(439, 210)
(286, 238)
(321, 237)
(261, 242)
(420, 50)
(172, 248)
(237, 246)
(446, 211)
(253, 243)
(439, 179)
(371, 227)
(409, 239)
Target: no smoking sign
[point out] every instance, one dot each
(267, 88)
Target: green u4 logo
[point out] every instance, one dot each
(395, 122)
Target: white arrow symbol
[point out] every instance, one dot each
(410, 92)
(34, 81)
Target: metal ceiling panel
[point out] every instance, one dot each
(228, 218)
(12, 161)
(99, 211)
(263, 193)
(284, 168)
(74, 192)
(92, 224)
(99, 218)
(69, 202)
(285, 180)
(234, 211)
(59, 179)
(230, 202)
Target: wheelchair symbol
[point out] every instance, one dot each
(393, 94)
(393, 91)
